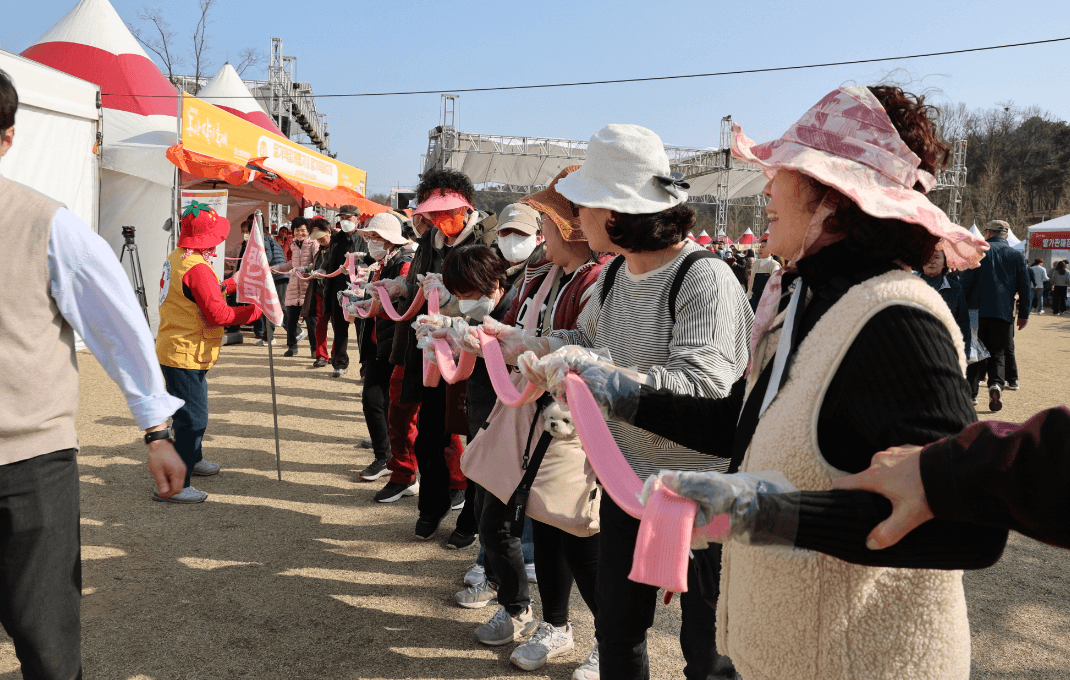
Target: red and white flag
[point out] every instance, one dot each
(254, 280)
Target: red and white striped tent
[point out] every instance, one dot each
(704, 238)
(747, 238)
(136, 179)
(227, 91)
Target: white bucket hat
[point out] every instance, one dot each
(387, 227)
(626, 170)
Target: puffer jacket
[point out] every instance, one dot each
(301, 256)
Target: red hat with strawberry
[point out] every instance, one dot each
(202, 227)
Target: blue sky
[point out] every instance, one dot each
(358, 47)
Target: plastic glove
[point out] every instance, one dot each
(430, 282)
(367, 308)
(760, 511)
(615, 389)
(514, 340)
(452, 329)
(395, 288)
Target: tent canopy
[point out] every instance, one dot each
(747, 238)
(137, 182)
(55, 148)
(227, 91)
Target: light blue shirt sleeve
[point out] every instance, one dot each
(95, 297)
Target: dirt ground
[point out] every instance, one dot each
(309, 578)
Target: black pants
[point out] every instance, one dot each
(431, 441)
(560, 559)
(995, 334)
(1058, 299)
(467, 519)
(293, 317)
(340, 347)
(376, 403)
(40, 564)
(1011, 362)
(626, 609)
(503, 558)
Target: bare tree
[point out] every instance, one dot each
(158, 38)
(251, 58)
(200, 42)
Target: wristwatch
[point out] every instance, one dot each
(157, 435)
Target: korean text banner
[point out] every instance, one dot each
(216, 133)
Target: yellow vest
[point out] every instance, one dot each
(185, 339)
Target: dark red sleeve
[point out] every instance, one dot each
(202, 282)
(1005, 475)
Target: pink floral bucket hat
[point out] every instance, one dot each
(848, 142)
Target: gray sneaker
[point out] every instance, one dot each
(205, 469)
(547, 642)
(187, 496)
(477, 596)
(477, 574)
(504, 628)
(588, 670)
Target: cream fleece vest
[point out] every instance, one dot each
(799, 614)
(38, 370)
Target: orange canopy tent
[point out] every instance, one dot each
(219, 147)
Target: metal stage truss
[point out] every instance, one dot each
(523, 164)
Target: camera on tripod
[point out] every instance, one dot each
(128, 234)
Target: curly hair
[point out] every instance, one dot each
(445, 180)
(652, 231)
(883, 239)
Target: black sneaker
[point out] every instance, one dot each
(375, 470)
(994, 402)
(458, 539)
(1012, 385)
(456, 499)
(292, 352)
(319, 363)
(395, 492)
(427, 528)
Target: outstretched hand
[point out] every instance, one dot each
(896, 475)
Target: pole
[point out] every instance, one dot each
(270, 334)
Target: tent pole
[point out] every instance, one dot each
(270, 335)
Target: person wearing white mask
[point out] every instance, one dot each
(344, 241)
(386, 246)
(520, 239)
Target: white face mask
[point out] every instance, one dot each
(476, 309)
(377, 250)
(245, 236)
(517, 247)
(348, 227)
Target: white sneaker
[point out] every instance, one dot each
(304, 334)
(205, 469)
(476, 575)
(529, 568)
(187, 495)
(547, 642)
(588, 670)
(504, 628)
(263, 343)
(477, 596)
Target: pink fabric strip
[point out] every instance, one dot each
(499, 374)
(666, 526)
(388, 306)
(431, 372)
(453, 372)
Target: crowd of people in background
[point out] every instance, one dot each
(863, 323)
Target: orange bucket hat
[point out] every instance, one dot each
(558, 207)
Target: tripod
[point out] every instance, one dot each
(136, 277)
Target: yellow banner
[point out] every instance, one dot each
(209, 130)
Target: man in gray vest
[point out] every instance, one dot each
(67, 280)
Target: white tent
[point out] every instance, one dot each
(1013, 240)
(137, 182)
(1050, 240)
(56, 129)
(227, 91)
(976, 232)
